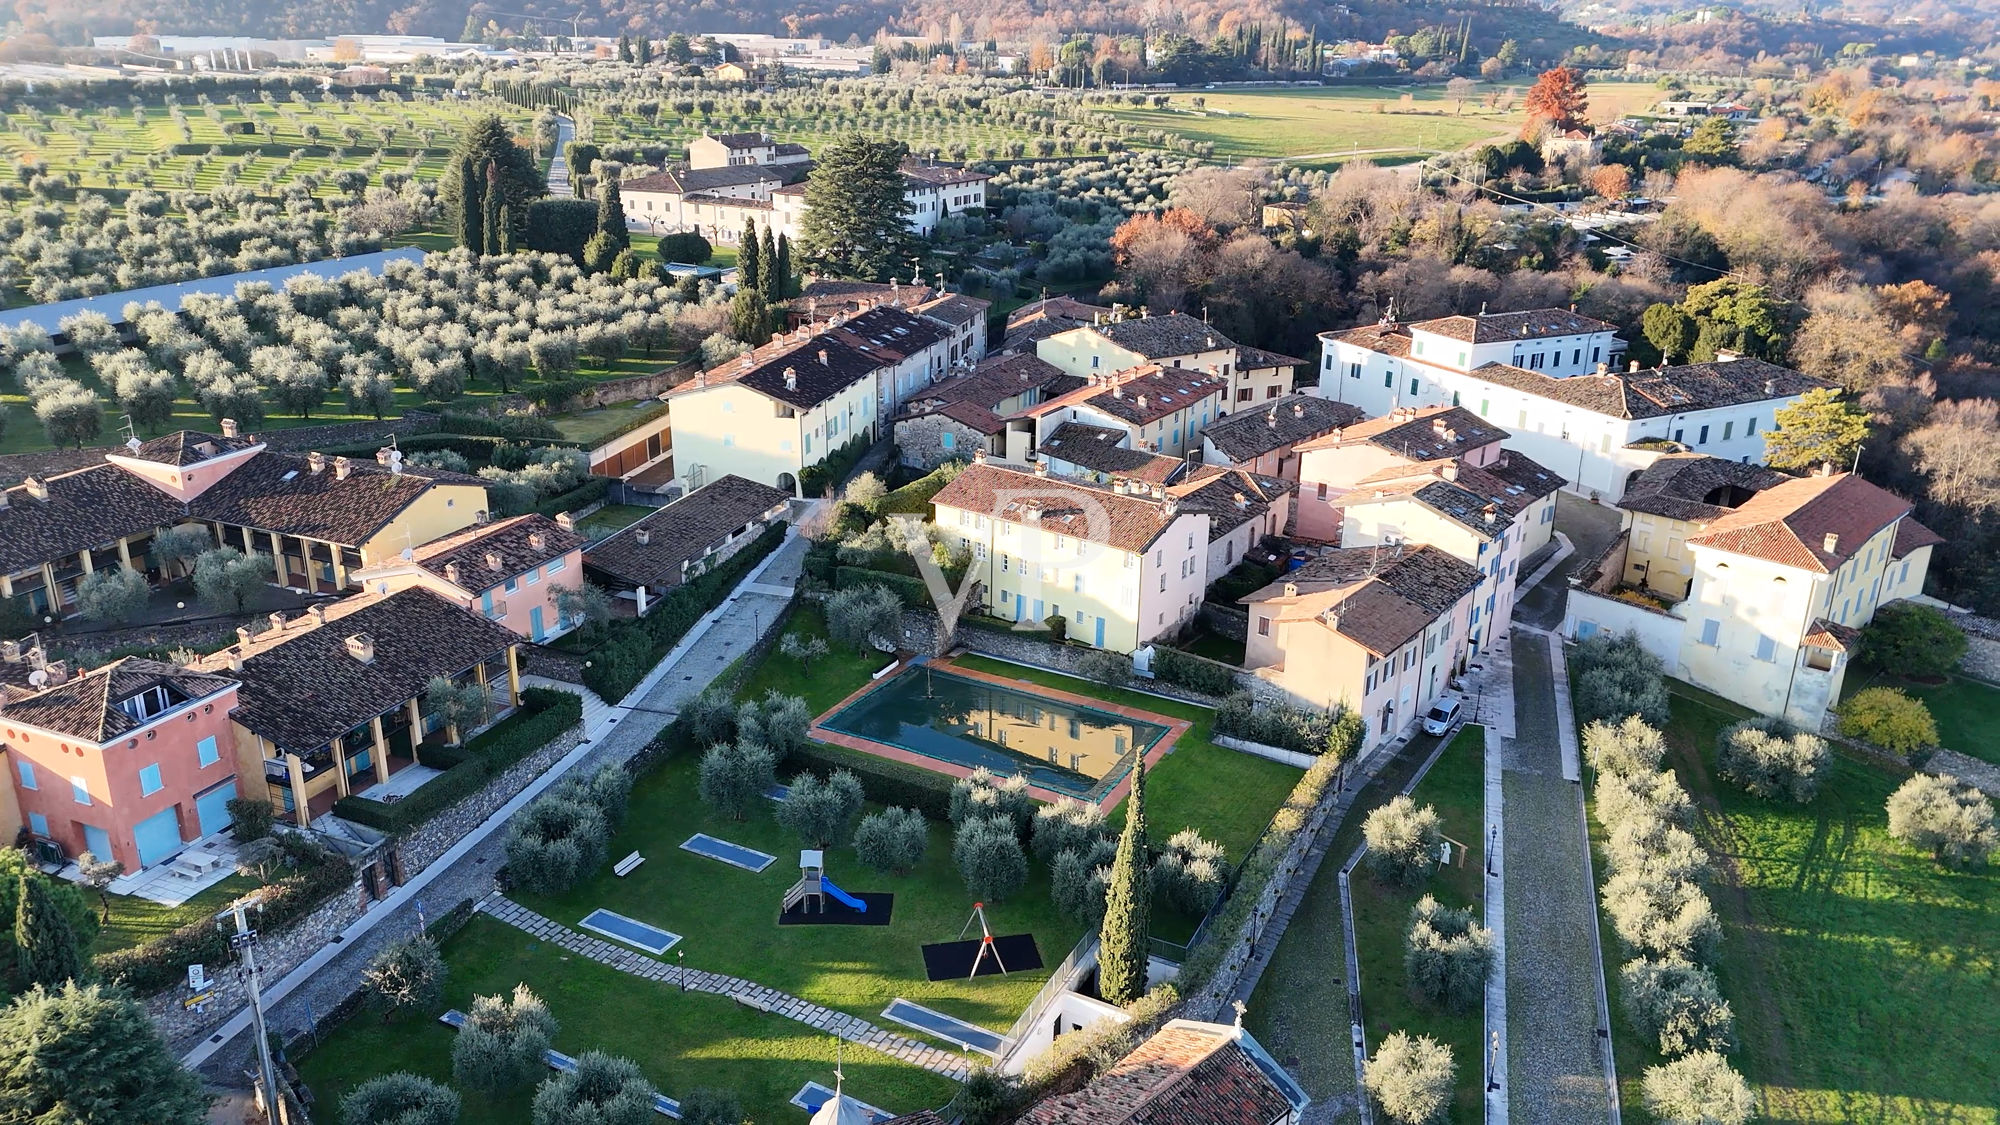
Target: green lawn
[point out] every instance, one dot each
(136, 920)
(613, 517)
(827, 681)
(1456, 787)
(681, 1040)
(594, 427)
(1865, 979)
(1215, 646)
(1967, 710)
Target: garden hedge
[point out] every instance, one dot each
(1193, 672)
(885, 782)
(543, 715)
(910, 591)
(589, 492)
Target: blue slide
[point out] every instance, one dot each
(842, 897)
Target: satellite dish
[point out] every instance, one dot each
(409, 553)
(38, 678)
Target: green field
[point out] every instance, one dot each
(1864, 978)
(1379, 122)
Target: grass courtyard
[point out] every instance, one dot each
(1967, 710)
(1865, 979)
(135, 920)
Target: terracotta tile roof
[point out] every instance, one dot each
(84, 508)
(1231, 497)
(1083, 511)
(302, 688)
(1187, 1074)
(1163, 336)
(1038, 320)
(996, 380)
(516, 544)
(798, 373)
(1491, 328)
(826, 296)
(1257, 359)
(87, 706)
(1377, 597)
(1661, 391)
(683, 181)
(681, 532)
(1812, 523)
(941, 175)
(1143, 395)
(280, 492)
(955, 309)
(969, 414)
(1278, 424)
(1695, 487)
(1514, 482)
(1099, 449)
(1830, 634)
(1427, 433)
(893, 331)
(740, 140)
(1453, 500)
(1525, 480)
(1388, 339)
(185, 447)
(1910, 535)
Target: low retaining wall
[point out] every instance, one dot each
(1982, 646)
(428, 841)
(1259, 749)
(1225, 620)
(611, 392)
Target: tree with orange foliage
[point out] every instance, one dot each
(1142, 229)
(1558, 100)
(1611, 181)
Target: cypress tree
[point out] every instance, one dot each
(469, 234)
(611, 213)
(770, 281)
(507, 228)
(45, 944)
(783, 266)
(490, 212)
(747, 274)
(1121, 958)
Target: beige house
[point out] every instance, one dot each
(1119, 566)
(1778, 581)
(950, 421)
(1161, 409)
(1381, 630)
(1123, 340)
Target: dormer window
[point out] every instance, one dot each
(153, 701)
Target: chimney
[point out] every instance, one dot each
(1437, 426)
(277, 620)
(235, 660)
(4, 501)
(822, 357)
(644, 536)
(1770, 387)
(316, 462)
(1291, 589)
(1451, 470)
(1832, 542)
(493, 560)
(1298, 410)
(1041, 467)
(10, 652)
(229, 427)
(1490, 514)
(1634, 369)
(791, 378)
(566, 521)
(37, 487)
(1142, 402)
(451, 573)
(1159, 492)
(1242, 501)
(382, 456)
(361, 647)
(58, 671)
(243, 634)
(1118, 391)
(1271, 417)
(1724, 355)
(343, 468)
(537, 540)
(318, 614)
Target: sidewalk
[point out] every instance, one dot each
(466, 870)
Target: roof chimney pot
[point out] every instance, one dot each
(1832, 542)
(343, 467)
(229, 427)
(361, 647)
(316, 461)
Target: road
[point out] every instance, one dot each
(559, 185)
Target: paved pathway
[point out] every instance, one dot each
(559, 185)
(301, 997)
(851, 1028)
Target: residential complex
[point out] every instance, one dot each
(683, 539)
(509, 572)
(1121, 341)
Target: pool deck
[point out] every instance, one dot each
(1108, 801)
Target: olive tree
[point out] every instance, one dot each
(1411, 1078)
(734, 777)
(1403, 841)
(502, 1043)
(1698, 1089)
(821, 811)
(407, 973)
(893, 841)
(982, 794)
(602, 1090)
(400, 1098)
(113, 594)
(556, 843)
(225, 577)
(1676, 1005)
(1772, 759)
(1447, 955)
(1953, 822)
(988, 853)
(864, 617)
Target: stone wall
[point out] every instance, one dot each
(1982, 646)
(541, 660)
(428, 841)
(632, 388)
(1232, 621)
(921, 441)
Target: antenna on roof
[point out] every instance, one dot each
(131, 435)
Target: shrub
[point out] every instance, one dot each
(1627, 748)
(706, 1105)
(779, 722)
(1067, 824)
(1112, 669)
(1411, 1078)
(885, 782)
(1193, 672)
(735, 777)
(1771, 759)
(113, 594)
(1912, 639)
(1447, 955)
(893, 841)
(858, 617)
(400, 1098)
(1242, 715)
(1655, 794)
(609, 790)
(1698, 1089)
(555, 844)
(250, 818)
(988, 853)
(1190, 872)
(982, 794)
(1079, 879)
(407, 973)
(1677, 1006)
(821, 812)
(602, 1090)
(1650, 843)
(711, 716)
(225, 576)
(1616, 678)
(1661, 916)
(1403, 841)
(685, 248)
(502, 1043)
(1936, 814)
(987, 1098)
(1889, 718)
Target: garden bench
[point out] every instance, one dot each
(627, 865)
(750, 1001)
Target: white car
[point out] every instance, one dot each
(1443, 715)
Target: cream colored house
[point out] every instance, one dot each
(1381, 630)
(1778, 583)
(1120, 567)
(769, 414)
(1161, 409)
(1124, 340)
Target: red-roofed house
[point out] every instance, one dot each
(1188, 1073)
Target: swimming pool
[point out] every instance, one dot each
(631, 931)
(1058, 745)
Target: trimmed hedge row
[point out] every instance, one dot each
(162, 963)
(1193, 672)
(910, 591)
(632, 646)
(516, 426)
(544, 714)
(589, 492)
(833, 468)
(885, 782)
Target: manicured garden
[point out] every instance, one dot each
(1967, 710)
(681, 1040)
(136, 921)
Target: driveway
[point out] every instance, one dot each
(1590, 528)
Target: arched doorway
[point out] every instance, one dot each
(788, 483)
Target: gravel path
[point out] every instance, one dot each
(471, 877)
(1554, 1069)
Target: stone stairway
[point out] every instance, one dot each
(597, 714)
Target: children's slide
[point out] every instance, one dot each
(842, 897)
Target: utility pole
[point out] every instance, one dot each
(244, 941)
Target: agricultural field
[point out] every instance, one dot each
(1380, 122)
(261, 140)
(955, 133)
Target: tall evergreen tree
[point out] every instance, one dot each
(624, 48)
(507, 245)
(770, 282)
(750, 317)
(470, 236)
(857, 218)
(783, 266)
(748, 275)
(490, 140)
(82, 1054)
(490, 203)
(44, 943)
(642, 50)
(611, 213)
(1121, 959)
